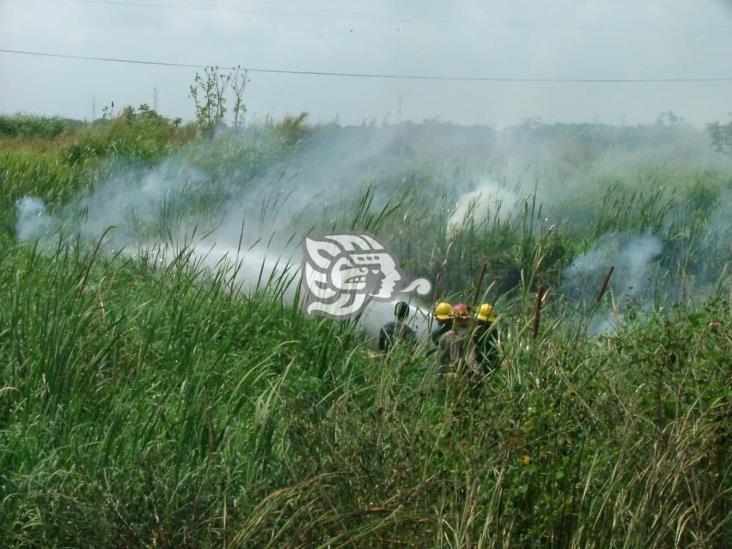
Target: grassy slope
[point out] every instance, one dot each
(142, 405)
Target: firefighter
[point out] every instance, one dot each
(455, 351)
(397, 329)
(443, 315)
(485, 338)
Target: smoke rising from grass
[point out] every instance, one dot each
(32, 219)
(632, 256)
(232, 209)
(489, 202)
(251, 198)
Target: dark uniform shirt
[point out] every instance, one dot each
(393, 332)
(456, 353)
(453, 346)
(485, 340)
(439, 330)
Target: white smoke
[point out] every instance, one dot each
(32, 219)
(489, 202)
(378, 313)
(633, 280)
(632, 256)
(252, 269)
(255, 212)
(224, 217)
(720, 220)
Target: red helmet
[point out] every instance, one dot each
(461, 310)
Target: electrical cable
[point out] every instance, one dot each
(362, 15)
(385, 76)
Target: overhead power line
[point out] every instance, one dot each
(259, 11)
(385, 76)
(412, 17)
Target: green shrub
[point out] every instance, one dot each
(139, 134)
(25, 126)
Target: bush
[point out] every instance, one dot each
(139, 134)
(23, 126)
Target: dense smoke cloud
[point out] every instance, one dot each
(32, 219)
(631, 255)
(258, 213)
(490, 201)
(254, 224)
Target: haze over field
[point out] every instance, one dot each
(567, 39)
(164, 381)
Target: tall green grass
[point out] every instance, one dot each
(149, 403)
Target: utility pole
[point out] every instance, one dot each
(94, 109)
(155, 99)
(399, 108)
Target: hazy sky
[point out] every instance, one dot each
(489, 38)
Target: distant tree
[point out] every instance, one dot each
(721, 135)
(668, 119)
(108, 111)
(292, 129)
(239, 80)
(146, 113)
(208, 92)
(532, 123)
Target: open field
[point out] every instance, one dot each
(152, 394)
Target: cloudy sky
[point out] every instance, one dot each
(575, 39)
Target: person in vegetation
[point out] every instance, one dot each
(397, 330)
(443, 315)
(485, 339)
(455, 350)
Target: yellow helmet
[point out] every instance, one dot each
(485, 313)
(443, 311)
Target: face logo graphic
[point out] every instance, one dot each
(343, 272)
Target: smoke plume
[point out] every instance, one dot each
(632, 256)
(249, 199)
(489, 202)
